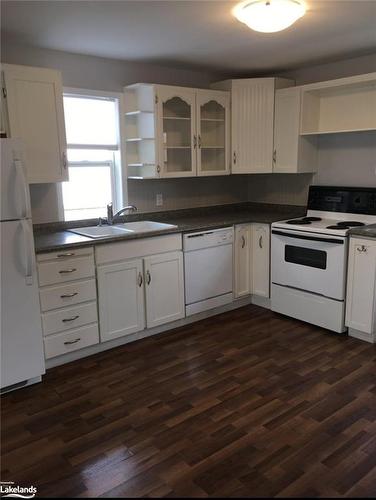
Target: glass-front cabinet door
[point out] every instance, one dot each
(176, 123)
(213, 114)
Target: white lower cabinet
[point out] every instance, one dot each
(242, 265)
(164, 287)
(252, 260)
(68, 300)
(261, 260)
(144, 291)
(361, 289)
(121, 299)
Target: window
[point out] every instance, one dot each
(92, 129)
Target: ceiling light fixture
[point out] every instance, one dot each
(269, 16)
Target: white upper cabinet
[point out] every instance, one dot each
(342, 105)
(252, 125)
(34, 99)
(292, 153)
(177, 130)
(361, 288)
(252, 122)
(213, 132)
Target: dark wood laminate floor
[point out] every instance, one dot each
(247, 404)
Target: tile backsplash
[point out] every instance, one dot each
(187, 192)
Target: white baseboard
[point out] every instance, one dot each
(367, 337)
(89, 351)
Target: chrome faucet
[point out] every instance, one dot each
(111, 217)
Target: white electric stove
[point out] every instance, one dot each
(309, 255)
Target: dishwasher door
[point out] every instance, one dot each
(208, 267)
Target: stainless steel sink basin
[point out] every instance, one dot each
(145, 226)
(121, 229)
(100, 231)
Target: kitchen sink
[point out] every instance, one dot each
(100, 231)
(145, 226)
(121, 229)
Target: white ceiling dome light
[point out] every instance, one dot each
(269, 16)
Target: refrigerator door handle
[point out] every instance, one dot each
(24, 197)
(28, 252)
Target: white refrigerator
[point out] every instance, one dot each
(22, 357)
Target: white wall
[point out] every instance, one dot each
(347, 159)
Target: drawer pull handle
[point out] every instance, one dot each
(70, 342)
(66, 320)
(260, 242)
(68, 254)
(65, 271)
(68, 295)
(243, 242)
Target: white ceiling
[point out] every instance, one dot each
(191, 33)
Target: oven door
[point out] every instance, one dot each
(311, 262)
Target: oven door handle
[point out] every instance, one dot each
(310, 238)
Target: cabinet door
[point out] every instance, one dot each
(164, 285)
(361, 285)
(213, 136)
(286, 130)
(36, 115)
(177, 131)
(121, 299)
(243, 284)
(293, 153)
(260, 268)
(252, 125)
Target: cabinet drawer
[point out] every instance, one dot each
(63, 255)
(67, 295)
(55, 272)
(62, 343)
(69, 317)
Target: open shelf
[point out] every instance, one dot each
(139, 139)
(176, 118)
(212, 119)
(138, 112)
(339, 106)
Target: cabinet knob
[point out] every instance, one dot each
(194, 142)
(234, 158)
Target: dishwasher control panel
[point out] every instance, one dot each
(207, 239)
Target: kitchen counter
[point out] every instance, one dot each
(55, 236)
(364, 231)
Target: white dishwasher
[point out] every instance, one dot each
(208, 263)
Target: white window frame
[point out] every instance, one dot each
(118, 174)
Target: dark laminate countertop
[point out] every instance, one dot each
(365, 231)
(50, 237)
